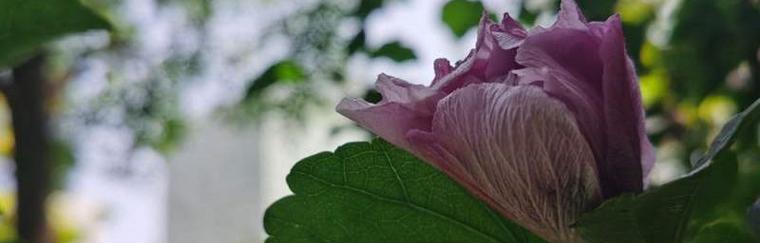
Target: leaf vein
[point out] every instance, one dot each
(395, 201)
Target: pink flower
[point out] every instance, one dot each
(542, 125)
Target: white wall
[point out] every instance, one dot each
(224, 176)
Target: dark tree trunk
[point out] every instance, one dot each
(26, 98)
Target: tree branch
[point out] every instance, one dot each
(27, 104)
(5, 80)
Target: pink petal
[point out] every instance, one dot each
(587, 68)
(509, 34)
(627, 141)
(517, 149)
(566, 62)
(415, 97)
(404, 107)
(570, 16)
(442, 68)
(492, 59)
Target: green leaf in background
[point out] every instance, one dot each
(357, 43)
(27, 25)
(680, 209)
(286, 71)
(723, 230)
(461, 15)
(372, 96)
(395, 51)
(366, 7)
(595, 9)
(289, 71)
(692, 57)
(373, 192)
(63, 159)
(527, 17)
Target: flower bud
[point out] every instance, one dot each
(542, 125)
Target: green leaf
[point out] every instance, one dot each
(679, 209)
(286, 71)
(527, 17)
(372, 96)
(461, 15)
(289, 71)
(373, 192)
(357, 43)
(727, 229)
(27, 25)
(366, 7)
(395, 51)
(62, 158)
(595, 9)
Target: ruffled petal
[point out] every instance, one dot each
(415, 97)
(492, 59)
(404, 107)
(517, 149)
(570, 16)
(569, 54)
(442, 67)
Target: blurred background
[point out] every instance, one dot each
(181, 123)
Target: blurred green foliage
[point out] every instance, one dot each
(711, 38)
(63, 159)
(28, 25)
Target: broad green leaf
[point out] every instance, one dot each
(679, 209)
(661, 214)
(395, 51)
(731, 216)
(26, 25)
(461, 15)
(373, 192)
